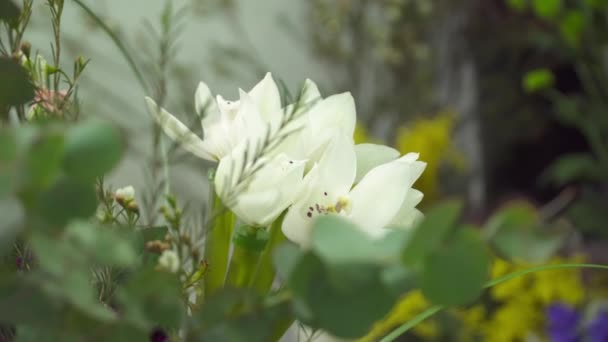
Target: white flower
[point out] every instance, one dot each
(225, 123)
(169, 261)
(382, 198)
(270, 191)
(321, 121)
(125, 195)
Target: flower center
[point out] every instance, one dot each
(341, 206)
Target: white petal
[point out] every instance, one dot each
(310, 92)
(179, 132)
(270, 191)
(338, 166)
(255, 208)
(297, 227)
(267, 97)
(336, 112)
(417, 167)
(204, 103)
(251, 123)
(404, 216)
(372, 155)
(379, 195)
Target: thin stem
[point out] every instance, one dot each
(116, 40)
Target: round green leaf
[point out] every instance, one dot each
(8, 157)
(9, 12)
(15, 85)
(43, 159)
(11, 221)
(106, 245)
(67, 200)
(433, 230)
(457, 273)
(93, 148)
(516, 233)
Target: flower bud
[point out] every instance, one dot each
(169, 261)
(26, 48)
(126, 198)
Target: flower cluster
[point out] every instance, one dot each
(301, 158)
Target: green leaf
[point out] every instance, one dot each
(336, 240)
(11, 222)
(589, 214)
(104, 244)
(339, 241)
(569, 109)
(456, 274)
(516, 233)
(67, 200)
(15, 85)
(8, 11)
(240, 315)
(65, 275)
(538, 80)
(286, 259)
(153, 298)
(571, 167)
(428, 235)
(22, 303)
(571, 27)
(547, 9)
(93, 148)
(8, 159)
(518, 5)
(344, 310)
(43, 159)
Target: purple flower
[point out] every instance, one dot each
(159, 335)
(19, 262)
(562, 324)
(598, 329)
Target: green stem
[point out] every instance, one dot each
(412, 323)
(217, 245)
(242, 266)
(435, 309)
(265, 272)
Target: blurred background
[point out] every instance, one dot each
(506, 100)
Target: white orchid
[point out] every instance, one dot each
(269, 191)
(382, 198)
(225, 123)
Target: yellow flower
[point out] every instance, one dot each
(515, 320)
(408, 307)
(432, 138)
(511, 288)
(473, 320)
(559, 285)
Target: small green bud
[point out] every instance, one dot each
(251, 238)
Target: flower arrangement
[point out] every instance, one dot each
(303, 225)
